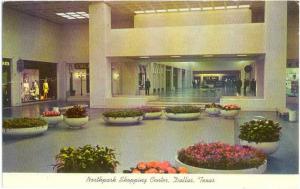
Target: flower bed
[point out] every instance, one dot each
(213, 109)
(183, 112)
(24, 126)
(261, 134)
(151, 112)
(76, 117)
(52, 117)
(219, 156)
(156, 167)
(86, 159)
(125, 116)
(230, 110)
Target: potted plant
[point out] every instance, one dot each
(125, 116)
(24, 126)
(261, 134)
(213, 109)
(163, 167)
(52, 117)
(221, 158)
(86, 159)
(230, 110)
(76, 117)
(151, 112)
(183, 112)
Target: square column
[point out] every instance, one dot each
(179, 78)
(100, 67)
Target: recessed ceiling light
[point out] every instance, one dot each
(60, 13)
(219, 8)
(150, 11)
(207, 8)
(244, 6)
(73, 15)
(185, 9)
(144, 57)
(241, 55)
(172, 10)
(195, 9)
(70, 13)
(81, 17)
(232, 7)
(139, 12)
(161, 10)
(175, 56)
(81, 12)
(70, 18)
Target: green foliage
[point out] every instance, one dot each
(23, 123)
(76, 112)
(213, 105)
(123, 113)
(183, 109)
(260, 131)
(86, 159)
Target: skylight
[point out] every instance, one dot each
(73, 15)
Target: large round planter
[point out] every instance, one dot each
(183, 116)
(266, 147)
(152, 115)
(229, 113)
(212, 111)
(31, 131)
(195, 170)
(76, 122)
(123, 120)
(52, 120)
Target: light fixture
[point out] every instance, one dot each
(161, 10)
(195, 9)
(244, 6)
(175, 56)
(219, 8)
(73, 15)
(232, 7)
(150, 11)
(172, 10)
(144, 57)
(184, 9)
(207, 8)
(241, 55)
(139, 12)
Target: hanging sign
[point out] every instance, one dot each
(81, 66)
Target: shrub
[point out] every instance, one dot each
(231, 107)
(213, 105)
(156, 167)
(183, 109)
(150, 109)
(260, 131)
(23, 123)
(76, 112)
(86, 159)
(51, 113)
(221, 156)
(123, 113)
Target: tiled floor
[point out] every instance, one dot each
(151, 140)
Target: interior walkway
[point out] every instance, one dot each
(150, 140)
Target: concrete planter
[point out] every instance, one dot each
(229, 113)
(152, 115)
(266, 147)
(123, 120)
(212, 111)
(31, 131)
(76, 122)
(52, 120)
(196, 170)
(183, 116)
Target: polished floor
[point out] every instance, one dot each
(150, 140)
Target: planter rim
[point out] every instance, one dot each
(75, 117)
(122, 117)
(46, 125)
(258, 142)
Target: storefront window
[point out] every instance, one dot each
(292, 79)
(78, 80)
(6, 82)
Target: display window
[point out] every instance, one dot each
(292, 82)
(78, 80)
(6, 82)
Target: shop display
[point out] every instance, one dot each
(125, 116)
(221, 158)
(24, 126)
(76, 117)
(183, 112)
(292, 82)
(52, 117)
(263, 135)
(151, 112)
(45, 89)
(153, 167)
(86, 159)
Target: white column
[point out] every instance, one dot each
(172, 78)
(259, 76)
(179, 78)
(62, 79)
(100, 67)
(16, 87)
(275, 59)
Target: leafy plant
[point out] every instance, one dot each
(213, 105)
(260, 131)
(23, 123)
(123, 113)
(183, 109)
(86, 159)
(156, 167)
(221, 156)
(76, 112)
(150, 109)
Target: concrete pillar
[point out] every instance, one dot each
(179, 78)
(62, 80)
(100, 67)
(16, 87)
(259, 76)
(172, 78)
(276, 55)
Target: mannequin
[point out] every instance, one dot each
(36, 90)
(26, 90)
(45, 89)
